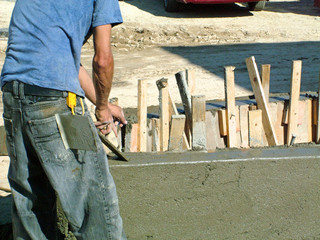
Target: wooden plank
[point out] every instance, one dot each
(244, 123)
(186, 101)
(222, 122)
(173, 110)
(285, 113)
(294, 99)
(142, 116)
(276, 110)
(199, 142)
(176, 132)
(134, 138)
(155, 122)
(304, 126)
(172, 105)
(255, 128)
(318, 111)
(261, 101)
(211, 132)
(230, 106)
(191, 81)
(265, 79)
(164, 114)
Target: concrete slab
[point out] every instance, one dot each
(252, 194)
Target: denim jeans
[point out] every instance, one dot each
(41, 169)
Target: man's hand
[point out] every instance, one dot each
(108, 118)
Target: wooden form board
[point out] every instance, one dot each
(230, 106)
(244, 124)
(172, 105)
(277, 111)
(304, 125)
(164, 113)
(222, 122)
(142, 116)
(294, 99)
(191, 81)
(176, 133)
(265, 79)
(186, 101)
(199, 122)
(155, 128)
(255, 128)
(261, 101)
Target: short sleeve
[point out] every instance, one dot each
(106, 12)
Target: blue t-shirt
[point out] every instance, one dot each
(45, 40)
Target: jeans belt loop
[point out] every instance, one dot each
(15, 89)
(21, 91)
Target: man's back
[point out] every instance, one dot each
(45, 40)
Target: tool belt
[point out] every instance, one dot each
(19, 89)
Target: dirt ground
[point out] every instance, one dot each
(152, 44)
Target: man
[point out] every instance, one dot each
(41, 68)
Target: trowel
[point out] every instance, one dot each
(77, 133)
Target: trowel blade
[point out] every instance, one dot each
(76, 132)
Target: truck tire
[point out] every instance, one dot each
(171, 5)
(256, 6)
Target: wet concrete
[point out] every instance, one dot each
(254, 194)
(265, 193)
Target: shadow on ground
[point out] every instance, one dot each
(156, 8)
(213, 58)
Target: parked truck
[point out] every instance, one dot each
(173, 5)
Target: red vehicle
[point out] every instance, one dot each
(173, 5)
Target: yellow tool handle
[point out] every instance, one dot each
(71, 101)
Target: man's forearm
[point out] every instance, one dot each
(102, 65)
(87, 84)
(102, 79)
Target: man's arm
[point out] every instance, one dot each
(87, 85)
(98, 90)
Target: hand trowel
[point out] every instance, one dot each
(76, 132)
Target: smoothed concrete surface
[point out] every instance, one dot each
(254, 194)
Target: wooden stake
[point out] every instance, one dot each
(318, 120)
(223, 122)
(261, 101)
(134, 138)
(173, 111)
(186, 101)
(199, 123)
(142, 116)
(155, 134)
(230, 106)
(164, 113)
(244, 123)
(265, 79)
(294, 99)
(255, 128)
(191, 80)
(176, 132)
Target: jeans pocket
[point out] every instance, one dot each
(9, 128)
(48, 141)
